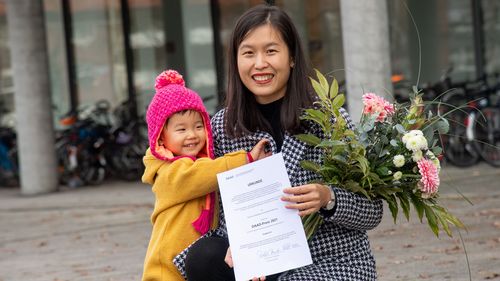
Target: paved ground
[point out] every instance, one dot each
(410, 251)
(101, 233)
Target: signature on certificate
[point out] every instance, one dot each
(272, 252)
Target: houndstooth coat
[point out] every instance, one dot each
(340, 249)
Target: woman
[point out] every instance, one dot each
(267, 90)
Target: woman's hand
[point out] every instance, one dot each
(229, 258)
(258, 151)
(229, 261)
(307, 198)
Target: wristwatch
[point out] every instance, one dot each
(329, 206)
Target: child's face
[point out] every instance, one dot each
(264, 64)
(184, 134)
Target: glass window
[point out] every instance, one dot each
(446, 37)
(149, 46)
(6, 81)
(491, 18)
(199, 51)
(99, 51)
(323, 36)
(230, 11)
(173, 35)
(57, 58)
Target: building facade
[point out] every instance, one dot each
(113, 49)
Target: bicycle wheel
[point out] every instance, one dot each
(127, 162)
(90, 167)
(457, 144)
(487, 135)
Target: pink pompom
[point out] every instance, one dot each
(168, 77)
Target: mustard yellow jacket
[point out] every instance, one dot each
(180, 188)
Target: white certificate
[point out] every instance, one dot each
(265, 237)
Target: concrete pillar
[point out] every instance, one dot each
(365, 36)
(35, 132)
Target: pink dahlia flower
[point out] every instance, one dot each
(429, 182)
(374, 104)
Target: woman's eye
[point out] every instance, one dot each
(247, 53)
(272, 51)
(180, 130)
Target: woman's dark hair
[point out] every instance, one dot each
(242, 115)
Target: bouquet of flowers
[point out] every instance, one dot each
(393, 154)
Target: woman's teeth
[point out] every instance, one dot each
(263, 77)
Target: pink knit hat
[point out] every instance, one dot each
(172, 97)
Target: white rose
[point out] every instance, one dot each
(415, 143)
(397, 175)
(422, 142)
(398, 160)
(417, 155)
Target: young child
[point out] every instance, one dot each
(180, 166)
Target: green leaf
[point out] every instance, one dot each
(384, 139)
(334, 89)
(315, 115)
(368, 126)
(349, 134)
(418, 204)
(442, 220)
(356, 188)
(434, 143)
(428, 134)
(393, 206)
(311, 223)
(309, 139)
(339, 158)
(330, 170)
(332, 143)
(405, 204)
(437, 150)
(452, 219)
(443, 126)
(394, 143)
(383, 152)
(322, 80)
(400, 128)
(338, 101)
(383, 171)
(431, 219)
(363, 137)
(310, 165)
(362, 164)
(319, 90)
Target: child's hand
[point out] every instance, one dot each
(258, 151)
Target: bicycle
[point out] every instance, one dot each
(485, 124)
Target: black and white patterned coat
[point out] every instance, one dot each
(340, 248)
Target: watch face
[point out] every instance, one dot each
(330, 205)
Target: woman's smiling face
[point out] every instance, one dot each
(264, 63)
